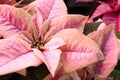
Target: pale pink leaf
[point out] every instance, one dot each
(22, 62)
(102, 30)
(78, 60)
(101, 9)
(109, 47)
(79, 51)
(15, 55)
(54, 43)
(50, 58)
(6, 29)
(38, 21)
(49, 8)
(50, 27)
(11, 48)
(102, 25)
(16, 19)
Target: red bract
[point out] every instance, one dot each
(10, 2)
(110, 11)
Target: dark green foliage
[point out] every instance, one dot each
(33, 73)
(41, 71)
(5, 77)
(90, 27)
(118, 34)
(118, 65)
(115, 75)
(84, 8)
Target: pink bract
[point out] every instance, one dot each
(50, 27)
(53, 9)
(109, 46)
(13, 18)
(11, 28)
(42, 11)
(33, 34)
(79, 51)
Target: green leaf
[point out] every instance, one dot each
(118, 34)
(30, 73)
(90, 27)
(41, 71)
(118, 65)
(115, 75)
(5, 77)
(16, 76)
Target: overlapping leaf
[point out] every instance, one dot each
(49, 8)
(51, 56)
(17, 33)
(110, 11)
(79, 51)
(109, 46)
(101, 9)
(15, 19)
(14, 52)
(50, 27)
(44, 9)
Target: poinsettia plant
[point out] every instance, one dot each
(43, 41)
(110, 11)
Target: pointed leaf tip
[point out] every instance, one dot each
(50, 58)
(79, 51)
(109, 47)
(49, 27)
(16, 20)
(49, 8)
